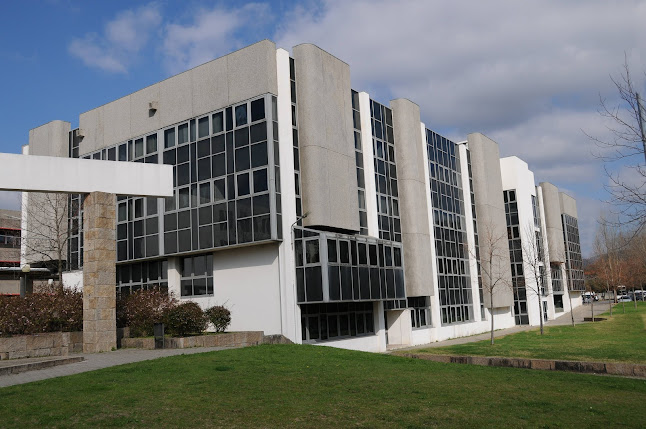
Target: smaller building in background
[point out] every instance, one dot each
(9, 252)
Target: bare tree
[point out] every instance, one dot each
(494, 263)
(534, 260)
(608, 243)
(46, 231)
(626, 144)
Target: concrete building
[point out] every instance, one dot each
(9, 252)
(307, 208)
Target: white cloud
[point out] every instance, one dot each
(122, 40)
(211, 33)
(528, 74)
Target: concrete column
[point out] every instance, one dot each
(99, 273)
(174, 277)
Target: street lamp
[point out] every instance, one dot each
(295, 222)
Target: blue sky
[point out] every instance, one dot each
(527, 74)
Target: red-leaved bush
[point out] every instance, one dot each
(142, 309)
(53, 309)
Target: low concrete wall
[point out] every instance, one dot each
(38, 345)
(232, 339)
(623, 369)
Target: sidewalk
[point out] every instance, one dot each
(580, 313)
(93, 361)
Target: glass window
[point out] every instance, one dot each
(257, 110)
(259, 155)
(312, 251)
(241, 115)
(260, 180)
(203, 127)
(184, 198)
(182, 134)
(151, 144)
(243, 184)
(218, 122)
(139, 148)
(205, 193)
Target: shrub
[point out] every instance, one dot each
(142, 309)
(185, 318)
(219, 316)
(53, 309)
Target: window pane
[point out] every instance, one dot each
(312, 251)
(241, 115)
(242, 159)
(139, 148)
(151, 144)
(203, 127)
(257, 110)
(184, 199)
(243, 207)
(260, 180)
(259, 155)
(261, 228)
(259, 132)
(243, 184)
(182, 133)
(205, 193)
(261, 204)
(218, 122)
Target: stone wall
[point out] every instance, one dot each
(38, 345)
(232, 339)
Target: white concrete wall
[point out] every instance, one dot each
(73, 279)
(246, 281)
(471, 242)
(516, 175)
(290, 312)
(368, 164)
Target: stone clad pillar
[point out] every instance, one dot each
(99, 273)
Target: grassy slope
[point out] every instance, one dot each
(309, 386)
(620, 338)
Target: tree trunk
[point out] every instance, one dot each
(592, 307)
(540, 311)
(569, 296)
(60, 269)
(609, 301)
(491, 313)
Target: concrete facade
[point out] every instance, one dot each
(324, 119)
(387, 254)
(487, 182)
(415, 207)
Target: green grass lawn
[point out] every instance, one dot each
(310, 386)
(620, 338)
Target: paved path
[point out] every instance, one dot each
(95, 361)
(565, 319)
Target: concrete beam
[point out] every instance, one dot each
(30, 173)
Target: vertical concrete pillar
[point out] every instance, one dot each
(99, 273)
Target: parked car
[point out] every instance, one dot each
(624, 298)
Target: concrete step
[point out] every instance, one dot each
(18, 365)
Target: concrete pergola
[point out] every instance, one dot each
(101, 181)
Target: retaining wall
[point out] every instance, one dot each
(232, 339)
(38, 345)
(611, 368)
